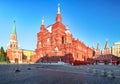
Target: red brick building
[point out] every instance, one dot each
(13, 52)
(107, 49)
(98, 50)
(56, 43)
(104, 57)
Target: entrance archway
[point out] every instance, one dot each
(16, 60)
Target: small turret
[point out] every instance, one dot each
(98, 50)
(98, 46)
(106, 45)
(42, 25)
(107, 49)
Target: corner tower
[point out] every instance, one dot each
(13, 52)
(13, 44)
(107, 49)
(98, 50)
(58, 30)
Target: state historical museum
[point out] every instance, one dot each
(56, 43)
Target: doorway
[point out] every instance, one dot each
(106, 62)
(16, 60)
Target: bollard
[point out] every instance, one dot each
(29, 68)
(103, 73)
(110, 74)
(17, 70)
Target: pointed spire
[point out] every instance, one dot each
(58, 9)
(14, 28)
(106, 45)
(43, 20)
(42, 25)
(58, 17)
(98, 46)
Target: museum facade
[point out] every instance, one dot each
(56, 43)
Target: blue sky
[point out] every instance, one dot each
(91, 21)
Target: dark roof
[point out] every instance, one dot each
(107, 57)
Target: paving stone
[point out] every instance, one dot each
(57, 74)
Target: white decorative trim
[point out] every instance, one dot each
(20, 62)
(13, 41)
(56, 49)
(42, 20)
(49, 29)
(58, 8)
(12, 61)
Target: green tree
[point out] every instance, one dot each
(3, 57)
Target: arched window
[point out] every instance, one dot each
(10, 45)
(77, 55)
(62, 39)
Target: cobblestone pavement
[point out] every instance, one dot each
(58, 74)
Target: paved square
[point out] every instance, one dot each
(58, 74)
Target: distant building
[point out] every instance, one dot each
(56, 43)
(107, 50)
(14, 54)
(98, 50)
(107, 57)
(27, 55)
(116, 49)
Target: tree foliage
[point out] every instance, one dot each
(3, 57)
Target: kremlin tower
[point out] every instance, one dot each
(107, 49)
(56, 43)
(98, 50)
(14, 54)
